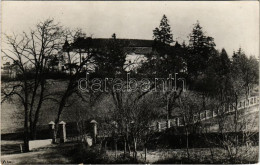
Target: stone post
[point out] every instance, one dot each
(62, 128)
(52, 131)
(158, 127)
(94, 133)
(168, 124)
(177, 122)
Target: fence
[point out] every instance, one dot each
(207, 114)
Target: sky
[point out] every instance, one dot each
(232, 24)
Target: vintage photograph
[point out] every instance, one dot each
(128, 82)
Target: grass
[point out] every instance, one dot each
(203, 156)
(76, 153)
(80, 153)
(53, 154)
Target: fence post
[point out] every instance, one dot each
(158, 127)
(52, 131)
(177, 122)
(168, 124)
(62, 127)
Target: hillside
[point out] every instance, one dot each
(12, 111)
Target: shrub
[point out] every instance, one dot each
(84, 154)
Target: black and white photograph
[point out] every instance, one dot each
(129, 82)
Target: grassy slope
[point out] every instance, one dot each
(12, 112)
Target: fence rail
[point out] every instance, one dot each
(207, 114)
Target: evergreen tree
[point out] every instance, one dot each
(163, 34)
(245, 72)
(225, 64)
(111, 58)
(201, 48)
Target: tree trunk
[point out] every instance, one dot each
(105, 146)
(135, 151)
(61, 107)
(187, 145)
(127, 140)
(115, 148)
(26, 132)
(145, 153)
(124, 147)
(236, 126)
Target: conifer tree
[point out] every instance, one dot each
(201, 48)
(163, 33)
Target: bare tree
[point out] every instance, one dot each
(31, 52)
(189, 105)
(237, 130)
(77, 61)
(134, 120)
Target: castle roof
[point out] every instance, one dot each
(137, 46)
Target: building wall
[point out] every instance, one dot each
(134, 61)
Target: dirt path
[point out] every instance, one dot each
(47, 155)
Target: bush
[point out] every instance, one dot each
(92, 155)
(84, 154)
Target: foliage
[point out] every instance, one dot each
(200, 49)
(162, 35)
(111, 59)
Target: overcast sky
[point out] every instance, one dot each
(231, 24)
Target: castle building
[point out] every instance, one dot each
(135, 52)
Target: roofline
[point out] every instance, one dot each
(126, 39)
